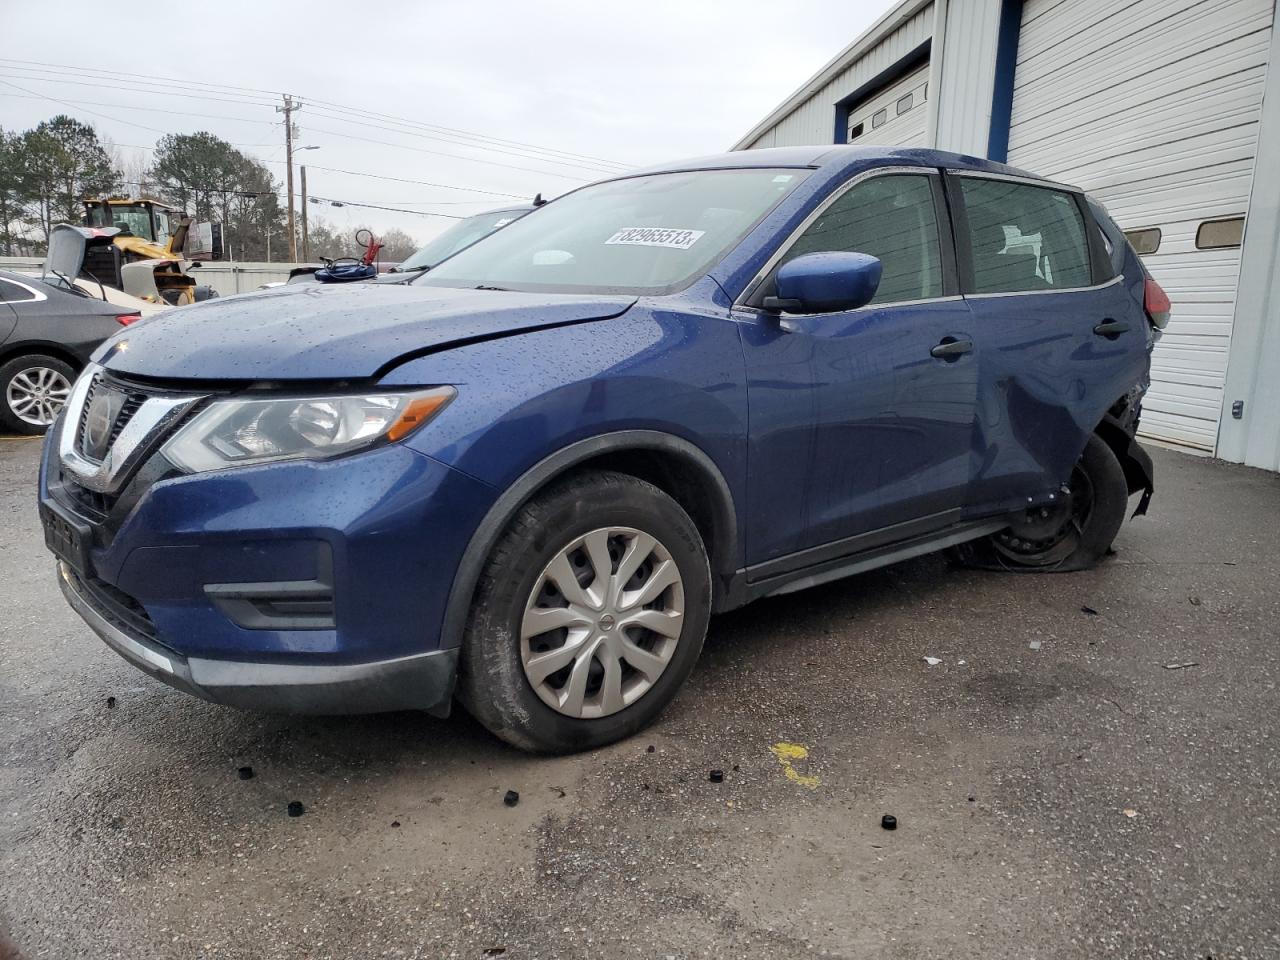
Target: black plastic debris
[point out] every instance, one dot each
(716, 776)
(245, 773)
(735, 768)
(296, 808)
(395, 823)
(649, 749)
(511, 798)
(1089, 610)
(1194, 601)
(494, 951)
(889, 822)
(971, 799)
(111, 703)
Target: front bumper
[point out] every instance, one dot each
(301, 586)
(419, 682)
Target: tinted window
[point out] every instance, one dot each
(893, 218)
(12, 293)
(1024, 237)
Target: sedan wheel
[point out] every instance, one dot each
(37, 395)
(34, 389)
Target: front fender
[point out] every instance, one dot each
(522, 398)
(532, 406)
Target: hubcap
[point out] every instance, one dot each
(37, 395)
(602, 622)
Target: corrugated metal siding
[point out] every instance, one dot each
(1153, 106)
(813, 121)
(967, 76)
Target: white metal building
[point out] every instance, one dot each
(1164, 110)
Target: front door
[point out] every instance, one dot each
(861, 421)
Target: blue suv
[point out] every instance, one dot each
(528, 478)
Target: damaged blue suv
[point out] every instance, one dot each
(529, 478)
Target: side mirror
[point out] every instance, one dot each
(825, 283)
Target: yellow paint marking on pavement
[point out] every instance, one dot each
(21, 438)
(787, 754)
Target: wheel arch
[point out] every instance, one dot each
(1116, 430)
(675, 465)
(36, 348)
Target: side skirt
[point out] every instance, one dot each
(742, 591)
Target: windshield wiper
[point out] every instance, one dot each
(484, 287)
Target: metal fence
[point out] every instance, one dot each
(225, 276)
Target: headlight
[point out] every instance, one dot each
(232, 433)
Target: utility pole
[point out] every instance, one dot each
(289, 107)
(306, 250)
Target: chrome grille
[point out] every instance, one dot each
(117, 426)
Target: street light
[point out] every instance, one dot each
(306, 255)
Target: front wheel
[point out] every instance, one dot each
(588, 617)
(1073, 532)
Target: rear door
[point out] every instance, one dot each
(1058, 335)
(859, 434)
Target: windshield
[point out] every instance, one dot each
(641, 235)
(462, 234)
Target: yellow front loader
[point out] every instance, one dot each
(152, 234)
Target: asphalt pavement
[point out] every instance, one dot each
(1090, 770)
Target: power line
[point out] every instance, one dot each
(454, 156)
(376, 176)
(253, 95)
(74, 107)
(594, 166)
(80, 104)
(259, 194)
(126, 106)
(375, 206)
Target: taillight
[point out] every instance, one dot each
(1157, 303)
(125, 319)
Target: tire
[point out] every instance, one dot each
(205, 292)
(33, 390)
(1091, 513)
(603, 695)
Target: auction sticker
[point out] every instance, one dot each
(657, 237)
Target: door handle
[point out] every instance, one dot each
(1111, 328)
(951, 349)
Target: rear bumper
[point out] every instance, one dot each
(419, 682)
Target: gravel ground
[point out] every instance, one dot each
(1060, 792)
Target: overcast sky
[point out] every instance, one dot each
(632, 83)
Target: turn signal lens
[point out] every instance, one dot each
(419, 411)
(125, 319)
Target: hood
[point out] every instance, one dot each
(333, 331)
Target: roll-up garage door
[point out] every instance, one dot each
(1152, 106)
(894, 117)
